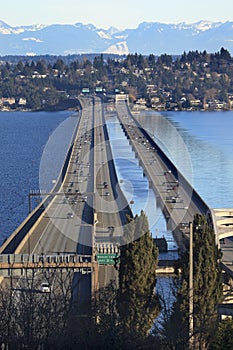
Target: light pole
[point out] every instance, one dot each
(190, 285)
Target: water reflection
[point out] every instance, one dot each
(134, 184)
(208, 138)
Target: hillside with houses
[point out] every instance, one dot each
(191, 81)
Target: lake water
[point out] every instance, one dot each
(200, 144)
(135, 185)
(23, 140)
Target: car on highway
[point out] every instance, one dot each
(84, 198)
(45, 287)
(69, 215)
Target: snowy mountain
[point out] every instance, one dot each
(148, 37)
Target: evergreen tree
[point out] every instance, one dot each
(59, 65)
(207, 280)
(223, 339)
(137, 303)
(225, 54)
(207, 291)
(41, 67)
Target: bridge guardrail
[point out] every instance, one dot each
(12, 259)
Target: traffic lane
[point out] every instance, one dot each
(54, 233)
(58, 216)
(179, 212)
(58, 233)
(107, 274)
(109, 224)
(106, 207)
(174, 196)
(81, 291)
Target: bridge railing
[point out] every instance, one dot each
(12, 259)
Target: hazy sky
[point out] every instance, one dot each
(118, 13)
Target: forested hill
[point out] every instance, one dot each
(193, 80)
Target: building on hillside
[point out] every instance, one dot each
(121, 97)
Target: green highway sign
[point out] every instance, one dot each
(107, 259)
(99, 89)
(85, 90)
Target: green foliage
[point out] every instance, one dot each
(207, 279)
(223, 339)
(59, 65)
(104, 311)
(137, 303)
(207, 290)
(207, 77)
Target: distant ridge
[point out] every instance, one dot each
(147, 38)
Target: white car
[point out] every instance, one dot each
(45, 287)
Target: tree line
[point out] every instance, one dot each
(55, 82)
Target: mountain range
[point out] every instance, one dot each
(147, 38)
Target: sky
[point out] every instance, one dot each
(117, 13)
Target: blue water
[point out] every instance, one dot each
(207, 150)
(23, 137)
(200, 143)
(134, 184)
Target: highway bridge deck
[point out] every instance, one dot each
(177, 198)
(88, 211)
